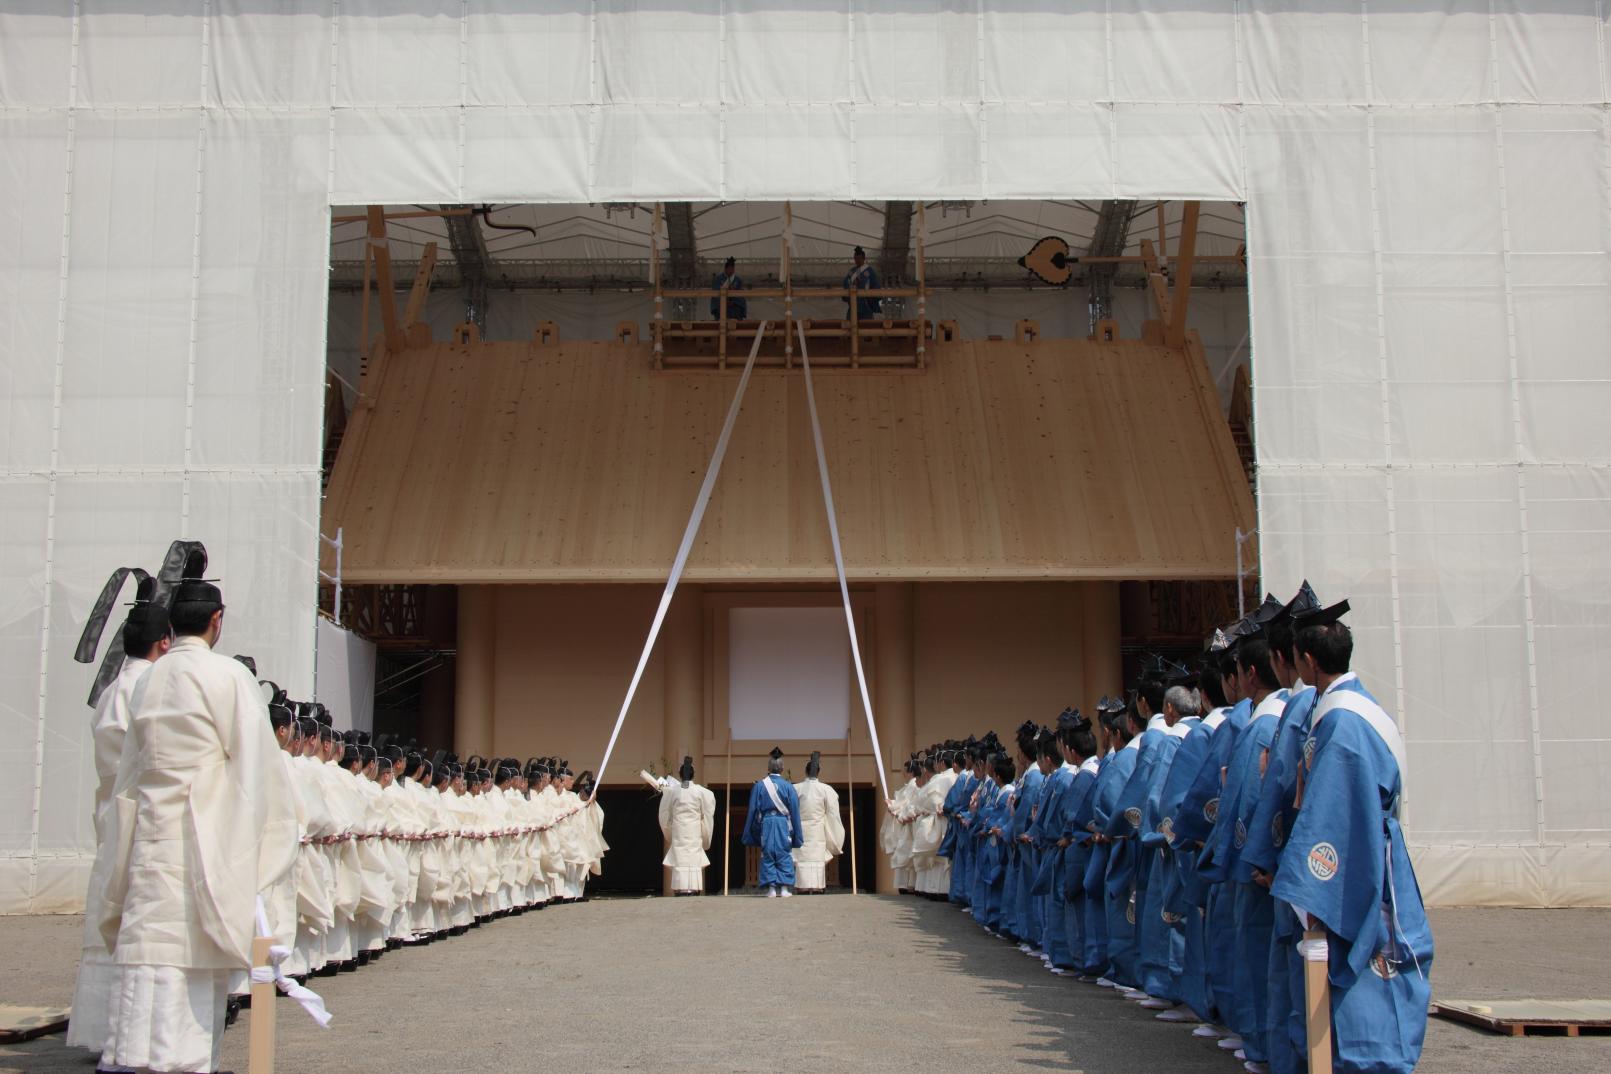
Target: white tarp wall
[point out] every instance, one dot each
(1430, 231)
(344, 676)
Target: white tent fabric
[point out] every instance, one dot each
(344, 676)
(1429, 205)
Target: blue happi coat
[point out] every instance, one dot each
(1130, 863)
(1117, 890)
(956, 845)
(1251, 910)
(1162, 940)
(1346, 864)
(1183, 895)
(1021, 915)
(1287, 1038)
(775, 832)
(1076, 815)
(1051, 817)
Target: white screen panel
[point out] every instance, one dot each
(788, 673)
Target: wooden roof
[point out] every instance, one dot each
(1050, 459)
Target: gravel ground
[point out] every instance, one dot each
(831, 983)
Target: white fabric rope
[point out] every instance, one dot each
(701, 502)
(839, 560)
(307, 998)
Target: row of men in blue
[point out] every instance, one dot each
(1180, 845)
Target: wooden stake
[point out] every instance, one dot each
(422, 286)
(727, 820)
(1163, 235)
(1155, 281)
(260, 1041)
(788, 284)
(1175, 334)
(363, 322)
(850, 793)
(922, 294)
(659, 329)
(1317, 998)
(383, 279)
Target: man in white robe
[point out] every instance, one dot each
(203, 823)
(687, 820)
(822, 828)
(146, 638)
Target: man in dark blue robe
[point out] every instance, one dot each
(774, 826)
(1345, 869)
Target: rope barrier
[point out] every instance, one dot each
(701, 502)
(839, 561)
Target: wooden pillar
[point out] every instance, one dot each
(1099, 641)
(683, 649)
(894, 667)
(473, 680)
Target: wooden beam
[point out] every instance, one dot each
(403, 216)
(1176, 334)
(1156, 284)
(383, 278)
(422, 286)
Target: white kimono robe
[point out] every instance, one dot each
(898, 837)
(928, 832)
(315, 876)
(687, 820)
(823, 831)
(202, 823)
(90, 1026)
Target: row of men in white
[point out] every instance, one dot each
(394, 852)
(206, 812)
(913, 829)
(687, 821)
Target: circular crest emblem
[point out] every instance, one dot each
(1133, 817)
(1211, 810)
(1309, 747)
(1278, 829)
(1130, 910)
(1382, 966)
(1241, 834)
(1323, 861)
(1166, 828)
(1170, 918)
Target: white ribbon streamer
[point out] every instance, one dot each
(306, 998)
(701, 502)
(839, 559)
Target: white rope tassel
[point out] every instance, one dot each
(839, 561)
(701, 502)
(306, 998)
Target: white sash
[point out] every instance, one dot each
(777, 800)
(1370, 712)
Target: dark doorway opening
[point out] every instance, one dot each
(632, 829)
(735, 857)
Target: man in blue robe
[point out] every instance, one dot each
(1080, 749)
(1118, 885)
(774, 826)
(1129, 822)
(1252, 913)
(1287, 1038)
(995, 819)
(863, 277)
(1021, 914)
(1045, 833)
(1163, 940)
(738, 308)
(956, 844)
(1345, 870)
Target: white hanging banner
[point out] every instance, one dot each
(701, 502)
(839, 560)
